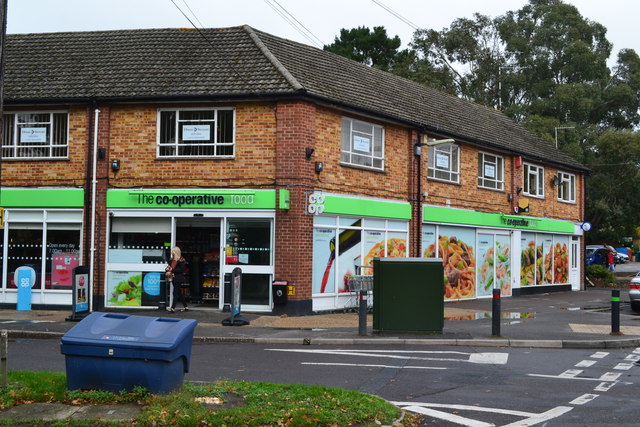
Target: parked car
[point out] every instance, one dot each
(621, 258)
(595, 254)
(634, 292)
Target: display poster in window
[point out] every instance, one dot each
(455, 247)
(196, 132)
(124, 288)
(362, 143)
(561, 259)
(81, 293)
(62, 265)
(486, 255)
(528, 259)
(373, 247)
(544, 259)
(323, 260)
(442, 161)
(151, 288)
(33, 135)
(489, 171)
(503, 264)
(429, 241)
(348, 250)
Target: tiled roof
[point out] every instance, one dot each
(241, 62)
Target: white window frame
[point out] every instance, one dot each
(536, 173)
(566, 187)
(14, 148)
(176, 143)
(486, 161)
(361, 148)
(443, 163)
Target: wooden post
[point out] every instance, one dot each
(3, 355)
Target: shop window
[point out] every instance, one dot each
(31, 135)
(490, 171)
(444, 162)
(139, 240)
(25, 249)
(62, 254)
(196, 133)
(566, 187)
(248, 241)
(362, 144)
(533, 181)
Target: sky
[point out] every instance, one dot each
(318, 22)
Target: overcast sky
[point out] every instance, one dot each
(323, 19)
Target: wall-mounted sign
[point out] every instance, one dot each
(196, 132)
(316, 203)
(361, 143)
(33, 135)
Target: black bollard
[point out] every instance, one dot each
(362, 313)
(615, 312)
(495, 315)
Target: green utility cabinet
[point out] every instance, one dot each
(408, 295)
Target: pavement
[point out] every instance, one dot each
(577, 319)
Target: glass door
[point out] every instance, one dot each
(249, 246)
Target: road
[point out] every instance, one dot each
(448, 385)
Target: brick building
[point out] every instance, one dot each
(251, 151)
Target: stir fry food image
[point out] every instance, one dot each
(459, 268)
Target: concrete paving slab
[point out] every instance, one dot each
(124, 412)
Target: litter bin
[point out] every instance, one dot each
(280, 294)
(115, 352)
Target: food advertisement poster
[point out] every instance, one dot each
(486, 276)
(528, 259)
(429, 241)
(503, 264)
(373, 247)
(544, 256)
(124, 288)
(323, 260)
(561, 259)
(151, 288)
(455, 247)
(349, 257)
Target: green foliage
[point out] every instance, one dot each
(598, 271)
(373, 48)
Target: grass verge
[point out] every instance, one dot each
(223, 403)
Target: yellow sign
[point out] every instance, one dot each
(291, 290)
(1, 217)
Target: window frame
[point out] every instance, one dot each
(347, 155)
(538, 172)
(499, 168)
(178, 143)
(453, 170)
(570, 179)
(11, 146)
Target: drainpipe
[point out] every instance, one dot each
(93, 207)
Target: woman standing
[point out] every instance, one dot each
(175, 275)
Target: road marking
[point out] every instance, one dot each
(570, 373)
(364, 365)
(530, 418)
(478, 358)
(585, 398)
(604, 386)
(623, 366)
(610, 376)
(586, 363)
(599, 355)
(633, 357)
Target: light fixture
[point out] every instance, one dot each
(319, 167)
(115, 165)
(417, 146)
(308, 152)
(509, 197)
(555, 180)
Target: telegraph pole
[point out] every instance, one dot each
(3, 33)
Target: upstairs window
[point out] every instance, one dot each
(490, 171)
(444, 163)
(566, 187)
(533, 181)
(362, 144)
(196, 133)
(36, 135)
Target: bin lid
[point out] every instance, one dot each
(124, 330)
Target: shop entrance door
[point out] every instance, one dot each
(199, 240)
(574, 271)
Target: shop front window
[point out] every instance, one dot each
(25, 249)
(139, 240)
(248, 241)
(63, 254)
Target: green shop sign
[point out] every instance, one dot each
(42, 198)
(319, 203)
(191, 199)
(459, 216)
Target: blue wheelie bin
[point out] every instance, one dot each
(117, 352)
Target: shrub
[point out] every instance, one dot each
(597, 271)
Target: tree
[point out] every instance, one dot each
(373, 48)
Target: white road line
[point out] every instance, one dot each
(479, 358)
(604, 386)
(610, 376)
(467, 408)
(448, 417)
(586, 363)
(585, 398)
(636, 351)
(599, 355)
(569, 373)
(540, 418)
(633, 357)
(364, 365)
(623, 366)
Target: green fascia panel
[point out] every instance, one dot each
(366, 207)
(42, 198)
(459, 216)
(191, 199)
(284, 199)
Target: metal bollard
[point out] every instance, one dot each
(4, 352)
(495, 314)
(615, 312)
(362, 313)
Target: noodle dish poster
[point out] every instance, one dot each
(455, 247)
